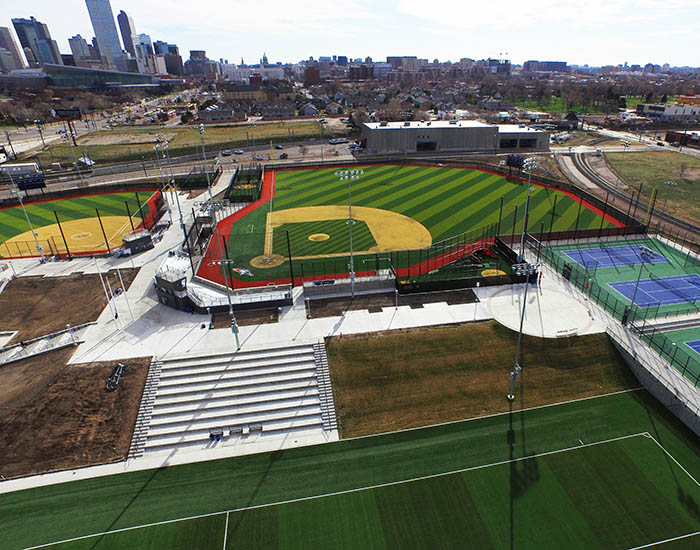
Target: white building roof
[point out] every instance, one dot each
(427, 124)
(515, 129)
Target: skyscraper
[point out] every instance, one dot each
(102, 20)
(128, 30)
(7, 41)
(35, 37)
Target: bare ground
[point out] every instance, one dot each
(55, 416)
(35, 306)
(418, 377)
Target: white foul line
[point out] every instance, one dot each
(665, 541)
(672, 458)
(226, 531)
(345, 491)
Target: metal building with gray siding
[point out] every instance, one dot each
(454, 136)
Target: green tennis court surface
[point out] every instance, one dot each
(610, 472)
(667, 263)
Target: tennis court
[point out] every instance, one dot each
(614, 256)
(661, 291)
(694, 345)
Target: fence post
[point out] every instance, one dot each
(99, 219)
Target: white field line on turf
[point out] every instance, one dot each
(225, 531)
(658, 542)
(494, 414)
(345, 491)
(673, 458)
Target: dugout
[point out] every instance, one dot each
(137, 241)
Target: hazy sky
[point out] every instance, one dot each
(596, 32)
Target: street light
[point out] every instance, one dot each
(528, 270)
(349, 176)
(645, 255)
(624, 144)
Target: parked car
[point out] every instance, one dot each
(284, 156)
(226, 153)
(259, 157)
(238, 152)
(279, 146)
(660, 143)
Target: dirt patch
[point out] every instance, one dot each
(374, 303)
(392, 381)
(35, 306)
(109, 138)
(253, 317)
(55, 416)
(82, 235)
(391, 230)
(265, 261)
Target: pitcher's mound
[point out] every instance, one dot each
(318, 237)
(273, 260)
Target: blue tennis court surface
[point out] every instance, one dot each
(694, 345)
(662, 291)
(612, 256)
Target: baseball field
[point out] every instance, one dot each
(71, 225)
(617, 471)
(394, 208)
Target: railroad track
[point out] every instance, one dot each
(583, 167)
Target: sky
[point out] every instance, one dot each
(593, 32)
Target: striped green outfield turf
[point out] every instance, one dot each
(13, 221)
(447, 201)
(337, 230)
(570, 486)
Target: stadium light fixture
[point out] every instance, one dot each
(350, 176)
(16, 191)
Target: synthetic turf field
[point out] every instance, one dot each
(611, 472)
(81, 237)
(446, 201)
(337, 231)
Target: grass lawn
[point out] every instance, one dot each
(185, 141)
(338, 240)
(652, 169)
(389, 381)
(446, 201)
(13, 221)
(559, 480)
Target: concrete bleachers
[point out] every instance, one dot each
(196, 402)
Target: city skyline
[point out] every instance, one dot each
(449, 30)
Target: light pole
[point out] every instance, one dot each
(528, 270)
(530, 164)
(320, 129)
(349, 176)
(625, 144)
(645, 255)
(17, 192)
(41, 134)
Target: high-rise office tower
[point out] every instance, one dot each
(128, 30)
(102, 20)
(7, 41)
(35, 37)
